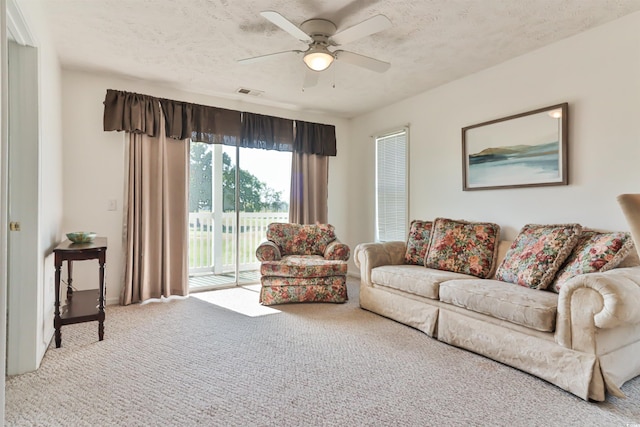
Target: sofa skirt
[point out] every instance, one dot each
(391, 304)
(568, 369)
(283, 290)
(533, 352)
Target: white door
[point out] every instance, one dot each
(22, 268)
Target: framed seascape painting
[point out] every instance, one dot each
(523, 150)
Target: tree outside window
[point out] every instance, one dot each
(255, 195)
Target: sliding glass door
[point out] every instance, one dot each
(229, 210)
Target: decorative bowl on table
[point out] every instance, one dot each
(81, 236)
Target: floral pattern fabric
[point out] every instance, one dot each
(463, 247)
(303, 266)
(595, 252)
(537, 254)
(313, 267)
(297, 239)
(418, 242)
(279, 290)
(337, 251)
(268, 251)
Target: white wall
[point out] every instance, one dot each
(51, 187)
(94, 163)
(597, 72)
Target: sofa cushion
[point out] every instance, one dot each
(463, 247)
(413, 279)
(595, 252)
(298, 239)
(417, 242)
(537, 253)
(303, 266)
(515, 304)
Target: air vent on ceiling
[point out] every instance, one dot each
(252, 92)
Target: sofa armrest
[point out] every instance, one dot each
(368, 256)
(597, 300)
(337, 250)
(268, 251)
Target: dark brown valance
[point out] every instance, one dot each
(131, 112)
(135, 113)
(315, 138)
(201, 123)
(266, 132)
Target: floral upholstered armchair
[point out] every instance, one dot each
(302, 263)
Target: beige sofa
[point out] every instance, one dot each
(585, 339)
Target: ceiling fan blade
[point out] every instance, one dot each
(310, 78)
(286, 25)
(367, 27)
(362, 61)
(267, 56)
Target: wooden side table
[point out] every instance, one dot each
(81, 306)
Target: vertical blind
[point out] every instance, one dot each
(392, 193)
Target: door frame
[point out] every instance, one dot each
(4, 222)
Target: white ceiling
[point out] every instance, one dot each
(194, 44)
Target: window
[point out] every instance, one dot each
(392, 186)
(221, 253)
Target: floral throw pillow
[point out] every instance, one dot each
(537, 254)
(595, 252)
(417, 242)
(463, 247)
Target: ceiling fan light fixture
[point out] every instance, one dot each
(319, 34)
(318, 58)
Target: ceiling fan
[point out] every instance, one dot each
(321, 34)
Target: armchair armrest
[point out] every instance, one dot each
(337, 250)
(268, 251)
(368, 256)
(597, 300)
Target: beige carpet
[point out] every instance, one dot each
(193, 363)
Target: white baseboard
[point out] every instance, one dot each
(113, 301)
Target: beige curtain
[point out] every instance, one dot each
(312, 145)
(309, 180)
(156, 218)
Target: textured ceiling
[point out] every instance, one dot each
(194, 44)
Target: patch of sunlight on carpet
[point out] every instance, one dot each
(240, 300)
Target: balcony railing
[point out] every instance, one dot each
(212, 247)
